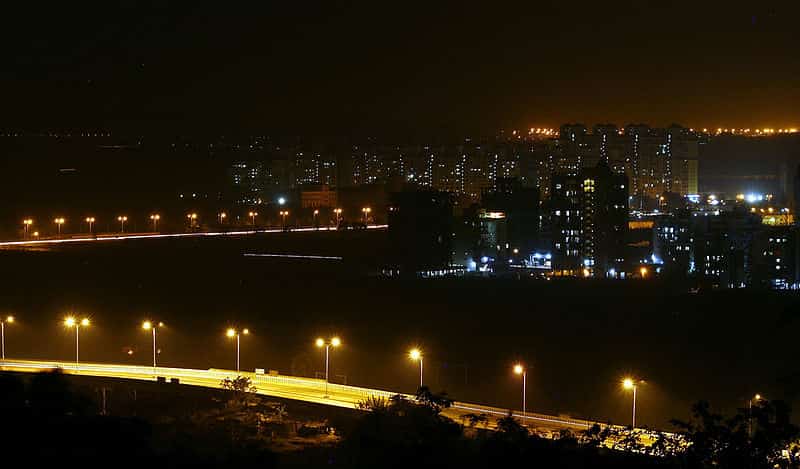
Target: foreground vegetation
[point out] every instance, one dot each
(49, 419)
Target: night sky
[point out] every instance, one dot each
(326, 68)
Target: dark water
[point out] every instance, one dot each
(577, 337)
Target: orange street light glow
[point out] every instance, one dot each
(627, 383)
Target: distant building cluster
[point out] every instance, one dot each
(657, 162)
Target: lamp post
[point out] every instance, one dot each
(122, 219)
(151, 326)
(154, 218)
(284, 214)
(756, 398)
(26, 225)
(252, 216)
(333, 342)
(520, 370)
(90, 222)
(70, 321)
(316, 212)
(416, 355)
(632, 384)
(59, 221)
(222, 216)
(234, 333)
(192, 219)
(338, 212)
(366, 211)
(3, 322)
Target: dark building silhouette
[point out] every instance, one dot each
(774, 252)
(796, 198)
(589, 217)
(723, 248)
(420, 231)
(511, 215)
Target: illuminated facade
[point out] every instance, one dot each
(318, 197)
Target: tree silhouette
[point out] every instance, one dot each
(753, 438)
(435, 402)
(241, 390)
(12, 392)
(51, 393)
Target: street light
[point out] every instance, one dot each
(334, 342)
(316, 212)
(59, 221)
(631, 384)
(284, 214)
(234, 333)
(338, 212)
(415, 354)
(520, 370)
(643, 272)
(122, 219)
(3, 322)
(151, 326)
(366, 211)
(252, 216)
(222, 216)
(192, 219)
(26, 224)
(90, 222)
(70, 321)
(756, 398)
(154, 218)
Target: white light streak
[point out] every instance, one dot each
(85, 239)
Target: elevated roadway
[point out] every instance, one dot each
(288, 387)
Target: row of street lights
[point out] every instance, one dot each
(192, 217)
(152, 326)
(415, 354)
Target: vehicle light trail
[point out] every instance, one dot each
(294, 256)
(87, 239)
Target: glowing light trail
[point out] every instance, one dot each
(294, 256)
(85, 239)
